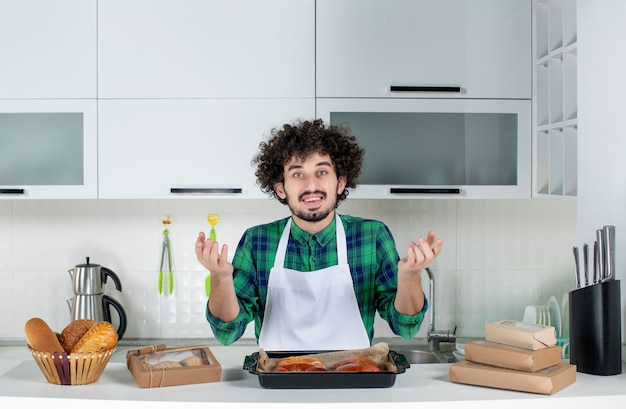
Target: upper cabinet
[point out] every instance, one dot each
(48, 49)
(438, 148)
(421, 48)
(555, 126)
(188, 88)
(206, 49)
(48, 108)
(187, 148)
(170, 98)
(48, 149)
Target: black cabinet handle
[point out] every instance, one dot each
(206, 190)
(428, 190)
(424, 88)
(4, 191)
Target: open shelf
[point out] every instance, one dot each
(555, 95)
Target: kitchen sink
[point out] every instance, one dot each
(424, 356)
(418, 352)
(415, 356)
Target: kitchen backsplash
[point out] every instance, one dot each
(498, 256)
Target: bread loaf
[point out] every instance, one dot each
(40, 337)
(167, 364)
(193, 361)
(299, 364)
(73, 332)
(100, 337)
(357, 364)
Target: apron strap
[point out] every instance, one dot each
(279, 262)
(340, 236)
(342, 246)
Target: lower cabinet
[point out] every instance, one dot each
(196, 148)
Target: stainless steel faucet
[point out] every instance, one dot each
(434, 337)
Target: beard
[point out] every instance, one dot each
(311, 215)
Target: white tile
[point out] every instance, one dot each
(515, 234)
(487, 296)
(140, 299)
(42, 294)
(184, 311)
(498, 256)
(54, 230)
(7, 305)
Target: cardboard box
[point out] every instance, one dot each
(157, 366)
(506, 356)
(521, 334)
(546, 382)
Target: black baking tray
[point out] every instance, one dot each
(323, 380)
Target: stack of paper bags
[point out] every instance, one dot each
(516, 356)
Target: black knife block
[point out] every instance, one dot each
(595, 329)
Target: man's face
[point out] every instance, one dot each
(311, 187)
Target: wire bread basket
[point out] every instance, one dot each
(73, 368)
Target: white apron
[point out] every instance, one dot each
(308, 311)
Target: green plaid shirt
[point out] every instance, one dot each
(373, 260)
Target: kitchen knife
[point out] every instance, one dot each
(577, 266)
(601, 253)
(586, 262)
(608, 233)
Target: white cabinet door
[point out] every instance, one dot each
(206, 48)
(48, 49)
(48, 149)
(481, 46)
(421, 148)
(168, 148)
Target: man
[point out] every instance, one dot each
(315, 280)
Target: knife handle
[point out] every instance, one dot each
(609, 258)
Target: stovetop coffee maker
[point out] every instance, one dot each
(89, 301)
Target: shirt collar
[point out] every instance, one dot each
(322, 237)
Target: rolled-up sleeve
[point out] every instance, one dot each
(244, 278)
(403, 325)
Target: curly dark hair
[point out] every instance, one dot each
(301, 140)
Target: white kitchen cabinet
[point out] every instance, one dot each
(206, 49)
(418, 148)
(48, 49)
(555, 124)
(187, 148)
(48, 149)
(483, 47)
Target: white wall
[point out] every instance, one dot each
(601, 124)
(499, 255)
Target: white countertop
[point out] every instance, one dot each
(424, 385)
